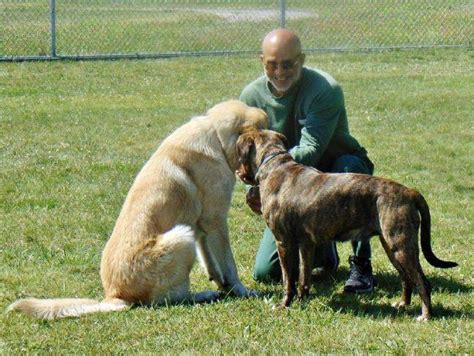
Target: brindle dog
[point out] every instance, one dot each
(304, 207)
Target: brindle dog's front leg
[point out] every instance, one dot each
(306, 252)
(287, 252)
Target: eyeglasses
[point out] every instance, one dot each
(288, 65)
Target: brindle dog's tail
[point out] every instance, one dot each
(426, 235)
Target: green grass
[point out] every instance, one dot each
(74, 135)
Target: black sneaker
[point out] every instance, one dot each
(360, 279)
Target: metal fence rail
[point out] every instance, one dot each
(55, 29)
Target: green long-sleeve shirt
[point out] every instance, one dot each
(317, 131)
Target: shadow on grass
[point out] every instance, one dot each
(388, 285)
(328, 288)
(365, 306)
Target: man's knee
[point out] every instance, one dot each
(267, 265)
(352, 164)
(266, 273)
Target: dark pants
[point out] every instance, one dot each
(267, 265)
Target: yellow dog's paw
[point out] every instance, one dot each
(240, 291)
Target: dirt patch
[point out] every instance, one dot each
(252, 15)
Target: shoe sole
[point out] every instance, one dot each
(359, 291)
(367, 290)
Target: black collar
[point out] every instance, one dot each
(267, 159)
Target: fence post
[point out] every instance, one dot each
(282, 13)
(52, 26)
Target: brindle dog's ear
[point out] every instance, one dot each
(245, 145)
(283, 139)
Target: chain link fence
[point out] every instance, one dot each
(42, 29)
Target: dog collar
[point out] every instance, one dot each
(267, 159)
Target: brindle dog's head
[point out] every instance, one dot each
(252, 148)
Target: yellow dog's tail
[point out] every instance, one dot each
(65, 307)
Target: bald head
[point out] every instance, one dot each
(282, 60)
(281, 42)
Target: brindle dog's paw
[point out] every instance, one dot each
(279, 307)
(399, 305)
(422, 318)
(302, 297)
(285, 303)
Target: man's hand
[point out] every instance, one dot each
(253, 200)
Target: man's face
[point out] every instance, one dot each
(282, 68)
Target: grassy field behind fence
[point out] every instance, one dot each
(92, 27)
(74, 135)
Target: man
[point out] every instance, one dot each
(307, 106)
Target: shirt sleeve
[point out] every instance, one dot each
(320, 122)
(248, 96)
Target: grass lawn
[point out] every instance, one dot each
(73, 136)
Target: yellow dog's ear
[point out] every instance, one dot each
(247, 130)
(257, 118)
